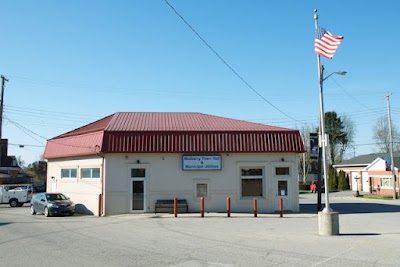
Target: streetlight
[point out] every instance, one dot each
(336, 72)
(357, 192)
(322, 131)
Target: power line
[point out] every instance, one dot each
(226, 63)
(24, 145)
(26, 130)
(344, 90)
(115, 89)
(41, 111)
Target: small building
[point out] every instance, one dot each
(127, 161)
(371, 173)
(10, 171)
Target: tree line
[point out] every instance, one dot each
(341, 131)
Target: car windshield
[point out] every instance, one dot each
(53, 197)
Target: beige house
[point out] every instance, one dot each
(125, 162)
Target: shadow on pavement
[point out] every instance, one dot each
(349, 208)
(359, 234)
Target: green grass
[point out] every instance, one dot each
(377, 197)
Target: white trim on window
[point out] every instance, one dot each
(248, 177)
(94, 173)
(68, 173)
(385, 182)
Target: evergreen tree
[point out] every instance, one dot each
(342, 184)
(347, 182)
(332, 179)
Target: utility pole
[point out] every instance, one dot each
(391, 147)
(304, 167)
(3, 80)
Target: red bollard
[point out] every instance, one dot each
(228, 206)
(255, 207)
(281, 208)
(202, 207)
(176, 207)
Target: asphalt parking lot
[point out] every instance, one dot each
(369, 236)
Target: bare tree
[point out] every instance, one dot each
(350, 130)
(305, 160)
(20, 162)
(381, 135)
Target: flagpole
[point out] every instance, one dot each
(328, 220)
(322, 121)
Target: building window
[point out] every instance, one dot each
(68, 173)
(282, 188)
(252, 182)
(138, 173)
(282, 171)
(201, 190)
(385, 182)
(90, 173)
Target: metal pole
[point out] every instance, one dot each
(391, 147)
(1, 114)
(322, 121)
(319, 187)
(2, 103)
(304, 167)
(319, 178)
(255, 207)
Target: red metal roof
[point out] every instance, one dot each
(156, 132)
(70, 146)
(181, 121)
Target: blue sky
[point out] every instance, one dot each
(72, 62)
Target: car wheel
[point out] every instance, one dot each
(33, 211)
(71, 213)
(46, 212)
(14, 203)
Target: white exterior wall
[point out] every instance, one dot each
(165, 179)
(379, 165)
(365, 182)
(83, 192)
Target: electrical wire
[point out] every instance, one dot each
(30, 133)
(24, 145)
(25, 130)
(228, 65)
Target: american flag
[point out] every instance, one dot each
(326, 43)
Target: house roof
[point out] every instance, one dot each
(169, 132)
(365, 160)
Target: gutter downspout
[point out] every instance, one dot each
(101, 211)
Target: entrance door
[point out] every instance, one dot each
(365, 182)
(282, 191)
(138, 189)
(53, 186)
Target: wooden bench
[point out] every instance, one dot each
(167, 206)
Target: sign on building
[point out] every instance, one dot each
(198, 163)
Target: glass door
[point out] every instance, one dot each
(138, 194)
(282, 187)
